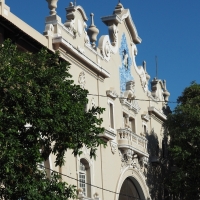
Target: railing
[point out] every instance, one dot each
(127, 139)
(82, 197)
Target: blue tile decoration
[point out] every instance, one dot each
(126, 62)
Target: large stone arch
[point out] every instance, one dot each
(138, 181)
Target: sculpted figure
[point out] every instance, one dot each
(125, 59)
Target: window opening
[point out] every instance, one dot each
(82, 178)
(129, 191)
(111, 116)
(132, 124)
(125, 117)
(145, 129)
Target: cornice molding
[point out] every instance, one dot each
(59, 41)
(158, 113)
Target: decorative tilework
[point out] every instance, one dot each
(126, 62)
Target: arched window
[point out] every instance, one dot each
(129, 191)
(84, 177)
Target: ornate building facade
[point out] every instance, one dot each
(135, 107)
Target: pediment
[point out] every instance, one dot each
(82, 12)
(121, 15)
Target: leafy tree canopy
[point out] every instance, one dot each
(36, 90)
(184, 130)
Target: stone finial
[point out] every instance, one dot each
(92, 19)
(144, 66)
(96, 195)
(119, 8)
(70, 15)
(154, 87)
(92, 31)
(145, 70)
(164, 85)
(166, 94)
(71, 4)
(52, 4)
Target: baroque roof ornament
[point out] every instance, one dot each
(93, 31)
(52, 4)
(70, 16)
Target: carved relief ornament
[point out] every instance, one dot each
(129, 158)
(113, 147)
(106, 46)
(81, 80)
(92, 104)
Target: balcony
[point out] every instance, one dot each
(129, 140)
(108, 134)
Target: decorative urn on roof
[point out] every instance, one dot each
(145, 70)
(93, 31)
(52, 4)
(166, 94)
(119, 8)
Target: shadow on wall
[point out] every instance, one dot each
(158, 166)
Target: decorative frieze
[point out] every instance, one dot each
(132, 159)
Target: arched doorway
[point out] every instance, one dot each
(129, 190)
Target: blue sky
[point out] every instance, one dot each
(170, 30)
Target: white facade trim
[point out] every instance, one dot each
(59, 40)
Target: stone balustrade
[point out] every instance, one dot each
(81, 196)
(86, 198)
(129, 140)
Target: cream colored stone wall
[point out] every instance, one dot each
(97, 69)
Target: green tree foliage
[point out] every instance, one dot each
(184, 130)
(36, 89)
